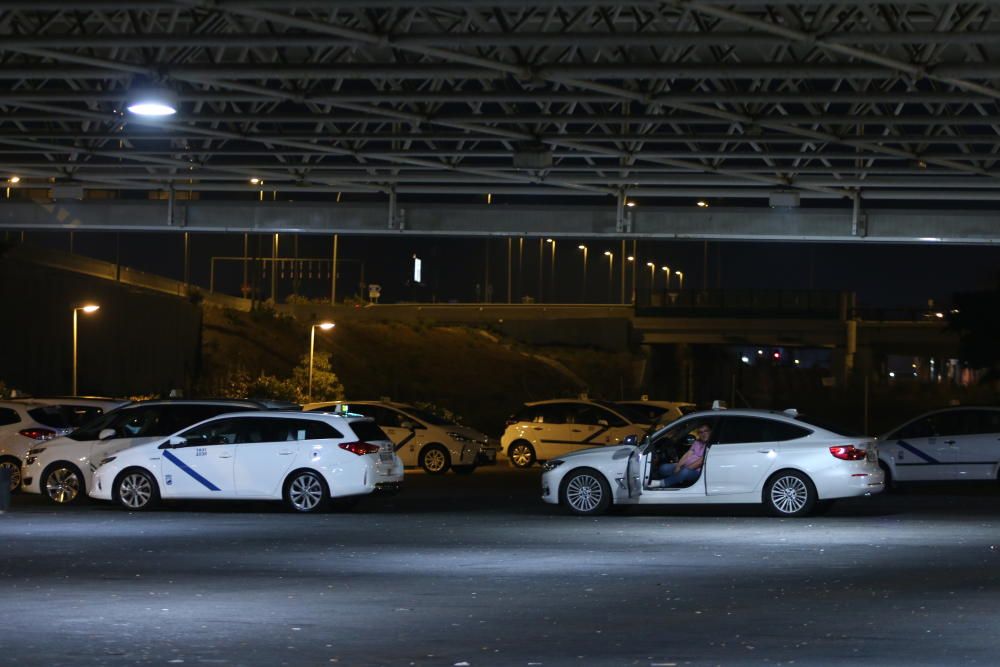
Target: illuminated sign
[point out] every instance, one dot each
(416, 269)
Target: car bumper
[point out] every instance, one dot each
(862, 481)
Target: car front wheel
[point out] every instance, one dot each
(13, 468)
(305, 492)
(586, 492)
(63, 484)
(789, 494)
(521, 454)
(435, 460)
(136, 490)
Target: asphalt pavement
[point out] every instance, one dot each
(476, 570)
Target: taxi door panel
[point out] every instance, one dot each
(260, 467)
(198, 471)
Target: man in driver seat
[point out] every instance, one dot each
(688, 468)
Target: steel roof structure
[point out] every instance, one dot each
(537, 101)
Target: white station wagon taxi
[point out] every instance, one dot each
(305, 459)
(790, 464)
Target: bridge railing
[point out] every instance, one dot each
(811, 304)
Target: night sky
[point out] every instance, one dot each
(455, 269)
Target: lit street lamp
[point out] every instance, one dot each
(680, 279)
(611, 279)
(584, 249)
(652, 275)
(88, 309)
(630, 259)
(666, 271)
(325, 326)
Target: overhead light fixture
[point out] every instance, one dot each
(702, 203)
(152, 100)
(255, 181)
(14, 180)
(630, 204)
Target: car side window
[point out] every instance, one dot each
(309, 429)
(921, 428)
(141, 423)
(757, 429)
(610, 417)
(584, 414)
(956, 422)
(555, 413)
(985, 421)
(218, 432)
(9, 416)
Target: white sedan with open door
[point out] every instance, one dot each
(792, 465)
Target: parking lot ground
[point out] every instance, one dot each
(476, 570)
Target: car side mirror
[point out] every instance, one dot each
(602, 422)
(106, 434)
(174, 441)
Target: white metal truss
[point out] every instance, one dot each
(621, 101)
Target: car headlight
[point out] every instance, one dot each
(458, 436)
(552, 465)
(107, 460)
(35, 451)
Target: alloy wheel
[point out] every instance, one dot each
(521, 456)
(15, 474)
(789, 494)
(135, 491)
(63, 485)
(305, 492)
(584, 493)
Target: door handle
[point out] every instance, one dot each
(225, 456)
(285, 453)
(764, 451)
(536, 428)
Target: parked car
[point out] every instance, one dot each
(547, 429)
(791, 464)
(952, 444)
(62, 468)
(660, 412)
(27, 422)
(305, 459)
(422, 438)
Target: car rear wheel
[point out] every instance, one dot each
(63, 484)
(435, 460)
(136, 490)
(521, 454)
(586, 492)
(306, 492)
(789, 494)
(13, 468)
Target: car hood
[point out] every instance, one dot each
(600, 454)
(465, 432)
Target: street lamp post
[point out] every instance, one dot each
(325, 326)
(89, 308)
(611, 277)
(666, 271)
(631, 260)
(680, 279)
(553, 242)
(584, 249)
(652, 275)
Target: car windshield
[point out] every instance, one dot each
(429, 417)
(827, 426)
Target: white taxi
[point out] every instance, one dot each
(790, 464)
(305, 459)
(547, 429)
(421, 437)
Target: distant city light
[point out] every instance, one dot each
(255, 181)
(630, 204)
(891, 374)
(745, 359)
(702, 203)
(15, 179)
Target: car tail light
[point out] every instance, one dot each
(38, 433)
(848, 453)
(359, 448)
